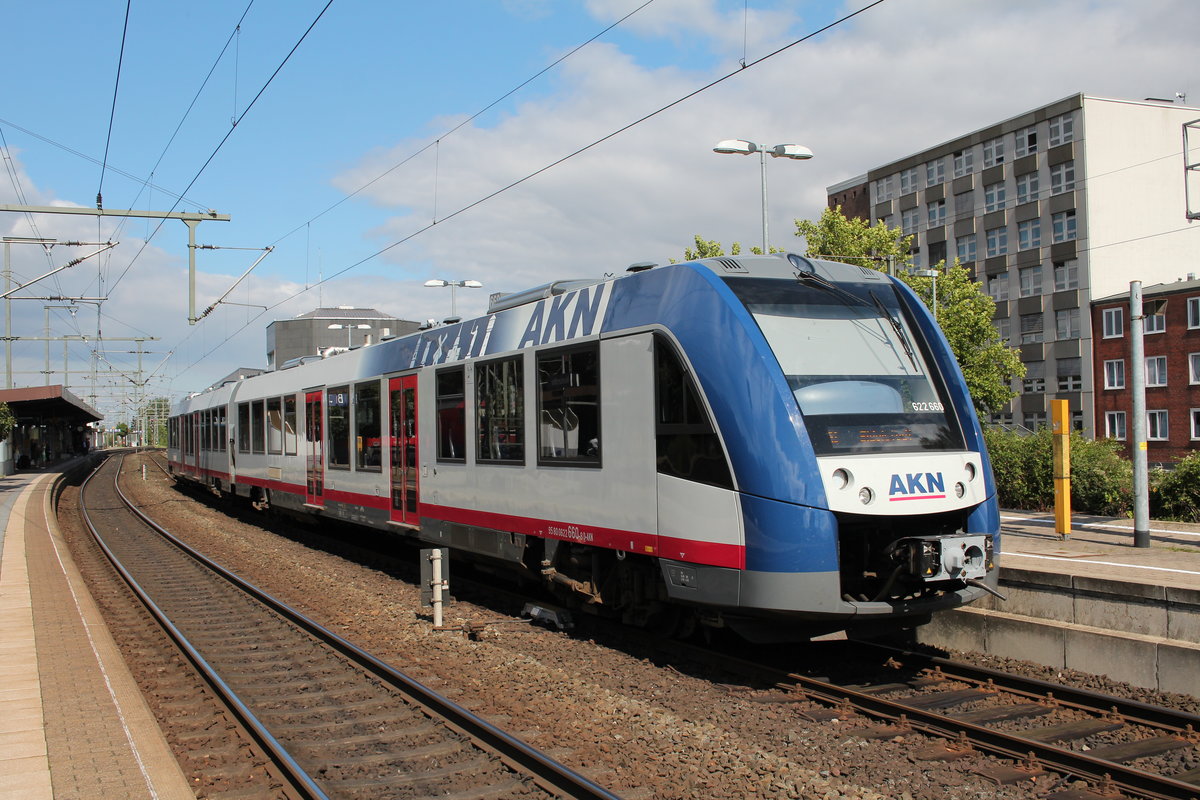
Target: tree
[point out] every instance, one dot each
(964, 312)
(711, 248)
(8, 421)
(122, 430)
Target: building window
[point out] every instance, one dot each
(1026, 141)
(1066, 323)
(994, 196)
(337, 429)
(883, 189)
(258, 429)
(1035, 377)
(1064, 225)
(451, 415)
(1077, 421)
(908, 180)
(289, 425)
(937, 252)
(1156, 323)
(1156, 426)
(275, 425)
(1031, 328)
(914, 259)
(935, 172)
(1004, 328)
(1114, 322)
(1030, 279)
(569, 406)
(1062, 129)
(936, 212)
(1195, 414)
(1027, 187)
(1156, 371)
(965, 247)
(964, 163)
(1066, 275)
(997, 241)
(997, 287)
(910, 218)
(1193, 312)
(368, 431)
(1070, 374)
(1035, 419)
(1114, 425)
(1193, 367)
(993, 152)
(1062, 177)
(1114, 374)
(1029, 234)
(500, 410)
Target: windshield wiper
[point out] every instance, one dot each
(829, 286)
(898, 328)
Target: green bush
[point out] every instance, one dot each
(1175, 495)
(1101, 480)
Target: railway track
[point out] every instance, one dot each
(1118, 746)
(334, 720)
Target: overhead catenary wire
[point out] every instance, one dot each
(112, 114)
(529, 176)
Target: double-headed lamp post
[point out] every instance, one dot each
(350, 329)
(438, 283)
(741, 147)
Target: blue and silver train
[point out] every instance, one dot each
(774, 444)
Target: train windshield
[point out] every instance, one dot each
(858, 369)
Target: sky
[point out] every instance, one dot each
(377, 144)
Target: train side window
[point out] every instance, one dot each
(222, 430)
(451, 415)
(289, 425)
(274, 425)
(368, 442)
(258, 432)
(337, 404)
(686, 443)
(569, 407)
(500, 411)
(243, 432)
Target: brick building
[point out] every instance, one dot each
(1172, 354)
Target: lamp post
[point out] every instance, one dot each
(742, 147)
(929, 273)
(438, 283)
(337, 326)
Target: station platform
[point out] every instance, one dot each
(73, 723)
(1090, 601)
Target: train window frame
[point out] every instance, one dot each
(258, 427)
(243, 429)
(593, 458)
(274, 425)
(223, 429)
(687, 445)
(450, 387)
(337, 397)
(510, 392)
(290, 437)
(362, 452)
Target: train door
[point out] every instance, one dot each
(314, 433)
(196, 441)
(402, 433)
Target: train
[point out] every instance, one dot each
(777, 445)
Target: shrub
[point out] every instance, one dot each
(1101, 480)
(1176, 494)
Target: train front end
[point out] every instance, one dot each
(867, 495)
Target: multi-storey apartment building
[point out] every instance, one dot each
(1049, 209)
(1171, 347)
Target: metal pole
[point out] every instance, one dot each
(1137, 369)
(762, 166)
(47, 310)
(435, 558)
(7, 316)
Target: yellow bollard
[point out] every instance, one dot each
(1061, 418)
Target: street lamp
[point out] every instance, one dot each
(438, 283)
(929, 273)
(741, 147)
(350, 329)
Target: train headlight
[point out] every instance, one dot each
(959, 489)
(841, 478)
(866, 495)
(971, 471)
